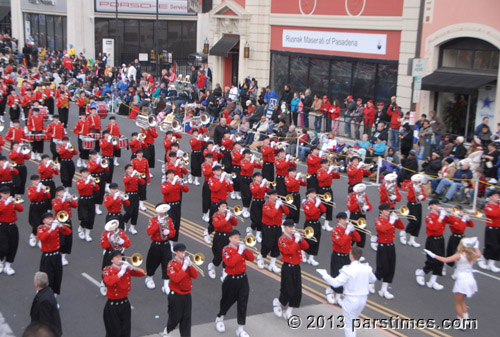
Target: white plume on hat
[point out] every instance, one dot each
(163, 208)
(417, 178)
(390, 177)
(359, 188)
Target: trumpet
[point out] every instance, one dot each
(115, 140)
(17, 200)
(13, 164)
(25, 149)
(198, 260)
(71, 148)
(360, 226)
(124, 196)
(135, 260)
(272, 183)
(62, 216)
(249, 240)
(308, 233)
(404, 212)
(237, 210)
(143, 175)
(104, 163)
(327, 199)
(142, 136)
(288, 200)
(206, 137)
(55, 163)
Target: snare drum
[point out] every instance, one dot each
(95, 136)
(102, 109)
(30, 137)
(88, 143)
(43, 112)
(123, 142)
(39, 137)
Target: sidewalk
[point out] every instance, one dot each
(269, 325)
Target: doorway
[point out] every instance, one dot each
(458, 112)
(231, 65)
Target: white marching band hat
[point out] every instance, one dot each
(469, 242)
(112, 225)
(390, 177)
(359, 188)
(163, 208)
(417, 178)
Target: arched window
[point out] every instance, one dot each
(469, 54)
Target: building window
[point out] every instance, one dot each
(469, 54)
(48, 31)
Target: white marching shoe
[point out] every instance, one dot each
(326, 226)
(219, 324)
(64, 260)
(402, 238)
(277, 309)
(211, 271)
(433, 283)
(246, 213)
(196, 181)
(272, 266)
(116, 163)
(141, 206)
(384, 292)
(488, 265)
(339, 299)
(412, 242)
(205, 217)
(258, 236)
(330, 295)
(132, 229)
(238, 195)
(81, 233)
(312, 261)
(165, 333)
(249, 230)
(150, 283)
(1, 266)
(420, 277)
(260, 262)
(88, 238)
(97, 210)
(8, 269)
(241, 333)
(166, 287)
(207, 237)
(233, 195)
(32, 240)
(190, 179)
(79, 162)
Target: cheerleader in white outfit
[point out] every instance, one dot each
(465, 284)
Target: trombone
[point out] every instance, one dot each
(308, 233)
(249, 240)
(198, 260)
(237, 210)
(135, 260)
(327, 199)
(404, 212)
(288, 200)
(360, 226)
(477, 215)
(62, 217)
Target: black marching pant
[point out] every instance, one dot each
(246, 194)
(270, 238)
(108, 176)
(386, 262)
(295, 213)
(452, 246)
(36, 210)
(357, 216)
(66, 240)
(9, 241)
(413, 227)
(53, 150)
(219, 241)
(206, 196)
(492, 243)
(20, 179)
(313, 245)
(280, 185)
(236, 182)
(99, 195)
(235, 288)
(63, 116)
(312, 182)
(52, 265)
(143, 191)
(67, 172)
(268, 171)
(50, 182)
(86, 212)
(436, 245)
(256, 214)
(132, 210)
(291, 285)
(117, 318)
(159, 253)
(337, 261)
(196, 161)
(226, 161)
(175, 215)
(13, 113)
(179, 313)
(37, 146)
(329, 209)
(151, 156)
(212, 211)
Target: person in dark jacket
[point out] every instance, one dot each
(307, 102)
(220, 130)
(350, 107)
(409, 167)
(44, 308)
(406, 138)
(458, 151)
(286, 97)
(432, 165)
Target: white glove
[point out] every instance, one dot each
(177, 162)
(166, 232)
(443, 214)
(39, 187)
(186, 264)
(298, 175)
(318, 202)
(393, 218)
(120, 241)
(252, 159)
(366, 208)
(8, 201)
(324, 274)
(222, 176)
(123, 269)
(279, 203)
(241, 151)
(330, 169)
(431, 254)
(392, 197)
(214, 164)
(349, 229)
(54, 225)
(361, 164)
(420, 197)
(199, 137)
(287, 157)
(298, 237)
(263, 183)
(465, 218)
(273, 144)
(228, 215)
(241, 248)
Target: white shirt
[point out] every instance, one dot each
(132, 72)
(233, 94)
(355, 278)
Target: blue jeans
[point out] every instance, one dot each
(303, 151)
(328, 124)
(435, 183)
(357, 134)
(395, 139)
(347, 127)
(306, 119)
(453, 188)
(249, 139)
(317, 123)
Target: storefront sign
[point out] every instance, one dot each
(417, 67)
(108, 48)
(143, 6)
(417, 85)
(486, 98)
(335, 41)
(143, 57)
(50, 5)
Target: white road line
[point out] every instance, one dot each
(92, 280)
(486, 274)
(5, 330)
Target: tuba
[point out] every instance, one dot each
(391, 190)
(166, 123)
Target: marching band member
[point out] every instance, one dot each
(227, 145)
(176, 164)
(181, 272)
(235, 287)
(51, 263)
(96, 170)
(113, 203)
(272, 217)
(258, 187)
(236, 158)
(268, 151)
(172, 189)
(141, 165)
(174, 149)
(14, 104)
(206, 169)
(213, 149)
(64, 202)
(415, 197)
(81, 102)
(355, 172)
(291, 245)
(161, 230)
(197, 145)
(223, 222)
(94, 121)
(113, 238)
(9, 233)
(86, 204)
(48, 98)
(114, 131)
(107, 152)
(117, 312)
(28, 101)
(491, 250)
(283, 163)
(293, 182)
(386, 225)
(66, 152)
(389, 194)
(313, 165)
(16, 132)
(343, 234)
(135, 144)
(132, 180)
(313, 208)
(82, 130)
(7, 173)
(325, 176)
(247, 166)
(170, 138)
(149, 140)
(63, 104)
(435, 224)
(219, 189)
(358, 204)
(46, 169)
(39, 205)
(458, 224)
(19, 179)
(36, 126)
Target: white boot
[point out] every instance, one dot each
(483, 264)
(272, 266)
(246, 213)
(240, 332)
(232, 195)
(207, 237)
(81, 233)
(288, 313)
(384, 292)
(420, 275)
(219, 324)
(223, 276)
(249, 230)
(97, 210)
(166, 288)
(277, 308)
(205, 217)
(339, 299)
(312, 261)
(87, 235)
(211, 271)
(433, 283)
(196, 181)
(238, 195)
(64, 260)
(412, 242)
(260, 261)
(326, 226)
(150, 283)
(115, 162)
(8, 269)
(402, 238)
(492, 267)
(330, 295)
(190, 179)
(32, 240)
(258, 236)
(132, 229)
